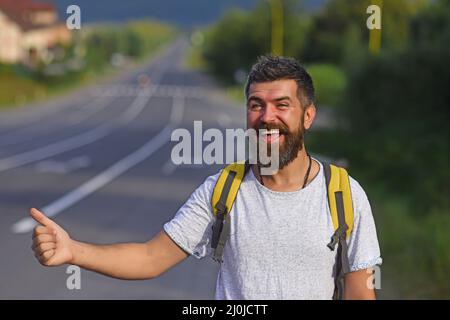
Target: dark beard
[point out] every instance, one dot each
(293, 143)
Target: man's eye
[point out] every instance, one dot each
(255, 106)
(283, 105)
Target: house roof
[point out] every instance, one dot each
(27, 5)
(20, 12)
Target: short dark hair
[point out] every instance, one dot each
(271, 68)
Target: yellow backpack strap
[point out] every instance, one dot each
(222, 200)
(341, 210)
(338, 181)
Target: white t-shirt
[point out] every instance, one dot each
(277, 247)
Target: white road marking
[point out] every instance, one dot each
(27, 224)
(55, 148)
(89, 110)
(63, 167)
(76, 141)
(73, 120)
(33, 118)
(91, 136)
(164, 91)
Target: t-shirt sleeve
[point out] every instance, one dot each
(363, 247)
(191, 227)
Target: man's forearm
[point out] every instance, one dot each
(129, 261)
(53, 246)
(357, 286)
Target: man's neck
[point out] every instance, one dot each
(292, 176)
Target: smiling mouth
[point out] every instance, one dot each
(270, 136)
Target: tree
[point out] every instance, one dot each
(397, 108)
(236, 41)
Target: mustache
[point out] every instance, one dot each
(282, 129)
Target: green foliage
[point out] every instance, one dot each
(231, 47)
(431, 27)
(414, 85)
(331, 29)
(416, 249)
(329, 83)
(145, 36)
(236, 41)
(397, 107)
(340, 29)
(395, 134)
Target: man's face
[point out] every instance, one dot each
(275, 105)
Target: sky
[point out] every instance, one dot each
(186, 13)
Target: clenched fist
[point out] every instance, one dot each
(52, 245)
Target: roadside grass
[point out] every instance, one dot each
(15, 90)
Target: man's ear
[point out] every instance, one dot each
(310, 115)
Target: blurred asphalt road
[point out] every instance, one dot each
(99, 161)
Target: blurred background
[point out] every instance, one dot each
(77, 105)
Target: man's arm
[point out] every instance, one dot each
(356, 285)
(53, 246)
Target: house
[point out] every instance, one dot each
(29, 30)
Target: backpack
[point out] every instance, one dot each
(339, 201)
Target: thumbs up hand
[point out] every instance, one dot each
(51, 243)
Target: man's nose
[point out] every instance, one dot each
(269, 114)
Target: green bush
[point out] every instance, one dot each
(397, 108)
(416, 250)
(235, 42)
(329, 82)
(229, 46)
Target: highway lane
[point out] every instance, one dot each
(53, 127)
(61, 129)
(71, 117)
(130, 207)
(14, 121)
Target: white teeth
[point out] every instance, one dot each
(272, 131)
